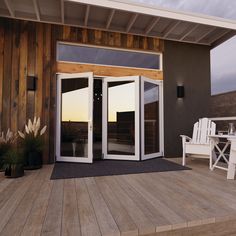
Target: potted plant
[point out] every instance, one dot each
(6, 143)
(32, 144)
(13, 164)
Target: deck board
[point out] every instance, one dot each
(16, 223)
(143, 222)
(124, 222)
(8, 188)
(34, 222)
(199, 198)
(154, 215)
(192, 202)
(195, 186)
(105, 220)
(197, 208)
(166, 192)
(88, 221)
(7, 209)
(223, 195)
(156, 199)
(53, 217)
(4, 183)
(70, 218)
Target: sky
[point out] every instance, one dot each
(116, 103)
(223, 57)
(70, 101)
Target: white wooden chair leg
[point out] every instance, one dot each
(210, 162)
(212, 154)
(232, 161)
(184, 159)
(231, 171)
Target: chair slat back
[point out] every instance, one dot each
(195, 132)
(201, 130)
(211, 129)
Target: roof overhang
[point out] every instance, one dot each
(125, 17)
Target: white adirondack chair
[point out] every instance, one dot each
(200, 146)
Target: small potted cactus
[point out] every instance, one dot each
(32, 144)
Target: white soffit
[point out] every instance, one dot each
(125, 17)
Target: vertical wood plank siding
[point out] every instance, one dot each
(29, 49)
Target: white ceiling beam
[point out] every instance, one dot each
(170, 28)
(110, 17)
(188, 31)
(161, 12)
(9, 8)
(62, 12)
(131, 22)
(36, 9)
(151, 25)
(86, 17)
(205, 35)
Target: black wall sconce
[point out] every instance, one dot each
(180, 91)
(31, 83)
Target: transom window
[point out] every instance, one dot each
(108, 56)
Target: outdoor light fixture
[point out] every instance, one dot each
(31, 83)
(180, 91)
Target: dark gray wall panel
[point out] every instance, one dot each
(188, 65)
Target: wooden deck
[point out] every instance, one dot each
(189, 202)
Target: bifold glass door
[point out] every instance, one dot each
(128, 112)
(151, 118)
(74, 136)
(121, 132)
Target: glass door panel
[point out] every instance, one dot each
(121, 118)
(74, 125)
(151, 118)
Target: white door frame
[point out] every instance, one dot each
(136, 156)
(60, 77)
(161, 119)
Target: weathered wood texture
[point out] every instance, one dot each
(64, 67)
(190, 202)
(29, 49)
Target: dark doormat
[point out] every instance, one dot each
(65, 170)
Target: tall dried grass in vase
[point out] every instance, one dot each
(32, 143)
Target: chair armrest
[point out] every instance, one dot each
(185, 138)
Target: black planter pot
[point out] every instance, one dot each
(14, 171)
(33, 161)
